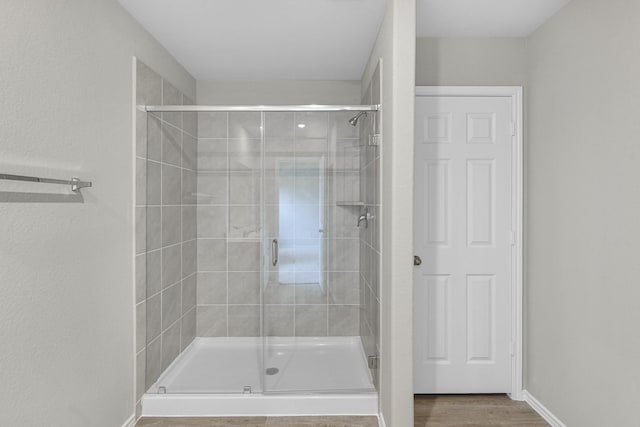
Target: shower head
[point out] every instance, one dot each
(353, 121)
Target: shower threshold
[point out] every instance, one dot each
(294, 376)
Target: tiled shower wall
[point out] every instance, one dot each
(229, 215)
(370, 236)
(166, 147)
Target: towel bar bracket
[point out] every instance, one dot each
(75, 183)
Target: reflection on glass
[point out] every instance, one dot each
(300, 221)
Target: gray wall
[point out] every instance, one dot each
(395, 46)
(582, 294)
(471, 62)
(166, 161)
(293, 92)
(66, 269)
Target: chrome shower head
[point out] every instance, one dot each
(353, 121)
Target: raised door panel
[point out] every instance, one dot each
(481, 319)
(481, 128)
(436, 196)
(437, 128)
(480, 202)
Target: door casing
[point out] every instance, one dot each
(517, 215)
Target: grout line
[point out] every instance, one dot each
(161, 218)
(227, 220)
(280, 304)
(163, 331)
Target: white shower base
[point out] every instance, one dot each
(316, 376)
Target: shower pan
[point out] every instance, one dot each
(255, 212)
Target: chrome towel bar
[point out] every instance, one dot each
(75, 183)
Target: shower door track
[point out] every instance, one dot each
(254, 108)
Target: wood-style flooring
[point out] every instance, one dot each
(430, 411)
(484, 410)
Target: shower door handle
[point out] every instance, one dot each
(274, 252)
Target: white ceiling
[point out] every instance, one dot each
(484, 18)
(264, 39)
(312, 39)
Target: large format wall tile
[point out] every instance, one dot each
(278, 320)
(188, 330)
(235, 177)
(170, 345)
(244, 125)
(189, 293)
(171, 307)
(212, 255)
(244, 320)
(311, 320)
(212, 125)
(171, 225)
(244, 288)
(369, 188)
(189, 258)
(212, 321)
(344, 320)
(212, 288)
(166, 224)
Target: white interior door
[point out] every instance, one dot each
(463, 234)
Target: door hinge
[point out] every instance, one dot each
(513, 129)
(512, 349)
(372, 361)
(512, 238)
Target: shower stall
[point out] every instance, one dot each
(258, 233)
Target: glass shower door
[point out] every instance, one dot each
(295, 295)
(311, 307)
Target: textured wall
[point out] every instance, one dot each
(471, 62)
(582, 295)
(396, 47)
(66, 269)
(278, 92)
(166, 161)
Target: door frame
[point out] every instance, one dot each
(517, 210)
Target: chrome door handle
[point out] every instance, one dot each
(365, 216)
(274, 252)
(417, 260)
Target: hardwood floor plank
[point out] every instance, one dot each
(202, 422)
(343, 421)
(473, 411)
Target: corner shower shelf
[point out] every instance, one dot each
(348, 203)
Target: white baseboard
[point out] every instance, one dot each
(542, 410)
(381, 422)
(131, 421)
